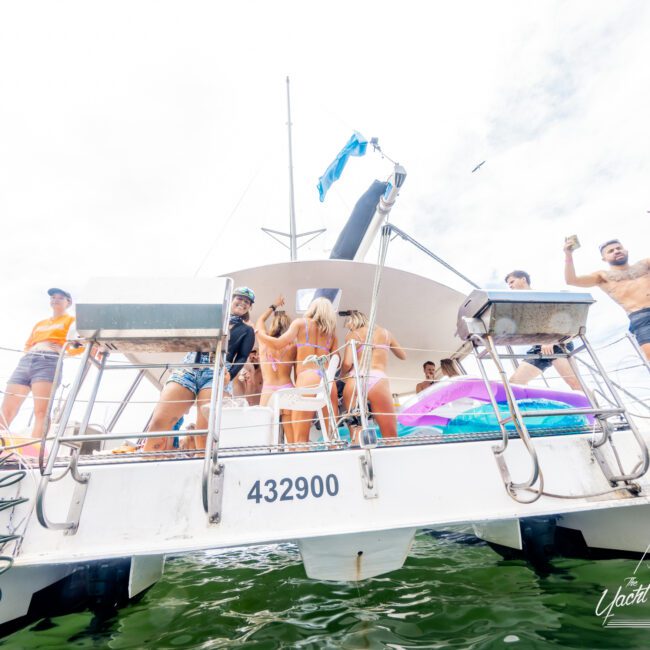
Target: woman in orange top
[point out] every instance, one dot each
(35, 371)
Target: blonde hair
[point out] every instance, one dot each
(279, 324)
(356, 320)
(322, 312)
(448, 368)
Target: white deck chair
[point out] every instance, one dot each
(313, 398)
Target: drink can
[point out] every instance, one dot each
(572, 242)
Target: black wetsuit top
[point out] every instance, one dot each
(240, 344)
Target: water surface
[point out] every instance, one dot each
(449, 594)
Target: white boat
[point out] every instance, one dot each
(97, 527)
(83, 527)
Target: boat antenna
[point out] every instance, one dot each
(374, 143)
(292, 235)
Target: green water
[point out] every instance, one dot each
(447, 595)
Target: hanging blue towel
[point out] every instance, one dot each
(355, 146)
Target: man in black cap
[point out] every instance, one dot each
(35, 371)
(627, 284)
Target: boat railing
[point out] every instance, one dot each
(605, 404)
(75, 442)
(138, 324)
(12, 535)
(622, 348)
(488, 319)
(637, 349)
(213, 469)
(359, 408)
(595, 386)
(368, 435)
(47, 468)
(619, 405)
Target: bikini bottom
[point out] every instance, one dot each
(271, 388)
(373, 377)
(316, 372)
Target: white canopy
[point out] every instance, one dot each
(420, 312)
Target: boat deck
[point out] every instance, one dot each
(420, 438)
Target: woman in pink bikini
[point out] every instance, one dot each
(313, 334)
(276, 365)
(377, 383)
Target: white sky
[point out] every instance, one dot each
(138, 137)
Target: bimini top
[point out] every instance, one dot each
(420, 312)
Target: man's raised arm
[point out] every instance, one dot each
(570, 276)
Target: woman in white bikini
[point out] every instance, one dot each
(276, 364)
(377, 383)
(315, 334)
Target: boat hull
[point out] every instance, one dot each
(320, 500)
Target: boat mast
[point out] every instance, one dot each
(292, 235)
(292, 206)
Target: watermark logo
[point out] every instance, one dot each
(612, 606)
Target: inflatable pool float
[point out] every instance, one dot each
(482, 418)
(446, 400)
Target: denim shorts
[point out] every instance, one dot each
(34, 367)
(194, 379)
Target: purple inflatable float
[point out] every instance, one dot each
(420, 412)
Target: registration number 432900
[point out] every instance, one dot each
(288, 489)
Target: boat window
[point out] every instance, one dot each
(305, 296)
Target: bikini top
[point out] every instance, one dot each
(378, 346)
(268, 356)
(307, 342)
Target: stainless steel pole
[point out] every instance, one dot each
(292, 208)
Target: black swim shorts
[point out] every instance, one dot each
(544, 363)
(640, 325)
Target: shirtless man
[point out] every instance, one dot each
(531, 368)
(249, 384)
(628, 285)
(430, 373)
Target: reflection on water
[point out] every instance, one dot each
(448, 595)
